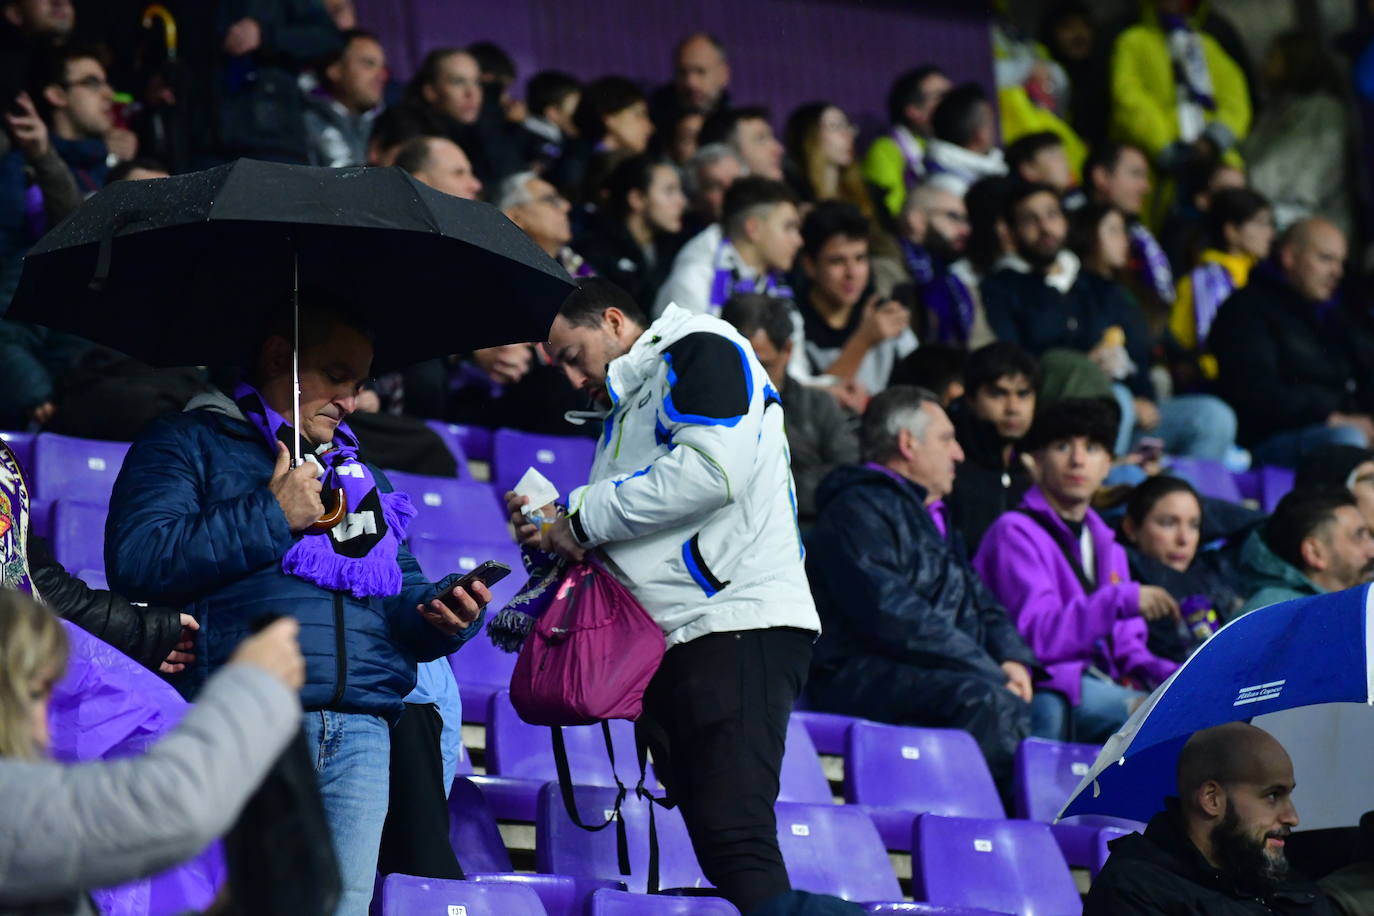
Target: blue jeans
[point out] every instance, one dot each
(352, 754)
(1191, 425)
(1103, 709)
(1286, 448)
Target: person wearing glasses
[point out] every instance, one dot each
(76, 100)
(934, 227)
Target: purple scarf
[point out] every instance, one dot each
(358, 555)
(913, 157)
(1154, 265)
(726, 282)
(1212, 285)
(942, 293)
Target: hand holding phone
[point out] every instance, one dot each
(458, 606)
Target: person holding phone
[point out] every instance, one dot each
(209, 516)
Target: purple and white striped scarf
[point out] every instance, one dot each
(358, 555)
(1212, 285)
(1153, 263)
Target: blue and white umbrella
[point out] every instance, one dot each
(1302, 670)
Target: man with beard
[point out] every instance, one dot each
(934, 234)
(1218, 848)
(995, 413)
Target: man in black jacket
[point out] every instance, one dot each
(910, 633)
(1219, 847)
(1293, 363)
(1000, 384)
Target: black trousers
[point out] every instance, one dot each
(715, 716)
(415, 836)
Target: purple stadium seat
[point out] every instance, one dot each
(562, 895)
(563, 848)
(930, 909)
(453, 441)
(475, 440)
(1046, 774)
(440, 556)
(77, 533)
(1104, 839)
(802, 779)
(452, 510)
(1006, 866)
(67, 468)
(481, 669)
(472, 830)
(621, 903)
(405, 895)
(827, 729)
(522, 755)
(897, 772)
(1248, 483)
(1274, 486)
(835, 849)
(1210, 478)
(94, 578)
(565, 460)
(22, 445)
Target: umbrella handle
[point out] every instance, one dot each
(332, 516)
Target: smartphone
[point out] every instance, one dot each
(489, 573)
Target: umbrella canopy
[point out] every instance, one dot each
(188, 270)
(1295, 669)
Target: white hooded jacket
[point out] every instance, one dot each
(691, 493)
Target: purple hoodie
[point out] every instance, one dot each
(1068, 629)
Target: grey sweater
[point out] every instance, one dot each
(66, 828)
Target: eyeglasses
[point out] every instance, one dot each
(839, 124)
(92, 82)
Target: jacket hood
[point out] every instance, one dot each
(849, 476)
(215, 401)
(977, 437)
(629, 371)
(1267, 569)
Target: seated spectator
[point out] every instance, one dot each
(706, 177)
(1240, 231)
(72, 828)
(748, 251)
(1340, 467)
(749, 133)
(1299, 147)
(339, 116)
(910, 634)
(993, 416)
(632, 237)
(821, 435)
(964, 141)
(937, 368)
(934, 235)
(1298, 369)
(441, 164)
(395, 127)
(850, 335)
(552, 97)
(448, 87)
(542, 213)
(1039, 159)
(1162, 532)
(1315, 542)
(1033, 91)
(1176, 94)
(700, 84)
(1184, 233)
(896, 162)
(1219, 846)
(612, 116)
(1064, 580)
(819, 163)
(1043, 299)
(1119, 174)
(679, 140)
(989, 238)
(78, 102)
(498, 74)
(1075, 41)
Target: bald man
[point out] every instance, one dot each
(1218, 848)
(700, 84)
(1295, 364)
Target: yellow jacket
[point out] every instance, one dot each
(1021, 116)
(1183, 321)
(885, 167)
(1143, 91)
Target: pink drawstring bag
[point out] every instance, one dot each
(590, 655)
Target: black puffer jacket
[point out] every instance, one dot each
(887, 584)
(145, 634)
(985, 486)
(1163, 874)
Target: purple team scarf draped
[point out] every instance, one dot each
(944, 294)
(1212, 284)
(726, 282)
(359, 554)
(913, 157)
(1153, 262)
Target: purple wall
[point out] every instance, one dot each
(783, 52)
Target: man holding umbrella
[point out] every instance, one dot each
(208, 514)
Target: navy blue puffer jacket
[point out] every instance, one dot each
(193, 525)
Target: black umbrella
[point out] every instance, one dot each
(189, 270)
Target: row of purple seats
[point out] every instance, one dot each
(1264, 485)
(404, 895)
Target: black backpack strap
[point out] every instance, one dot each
(642, 751)
(1075, 562)
(565, 784)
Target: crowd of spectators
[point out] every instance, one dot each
(992, 330)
